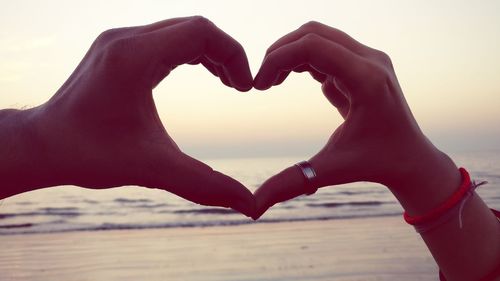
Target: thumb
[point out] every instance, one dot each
(197, 182)
(283, 186)
(291, 182)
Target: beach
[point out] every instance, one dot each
(348, 232)
(381, 248)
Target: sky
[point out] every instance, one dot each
(445, 54)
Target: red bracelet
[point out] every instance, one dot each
(447, 205)
(446, 210)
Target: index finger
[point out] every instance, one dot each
(322, 55)
(325, 31)
(188, 41)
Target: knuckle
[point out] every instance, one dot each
(270, 49)
(376, 76)
(113, 42)
(237, 49)
(306, 45)
(105, 36)
(373, 85)
(384, 58)
(117, 51)
(310, 38)
(117, 46)
(308, 42)
(201, 22)
(269, 59)
(236, 53)
(108, 35)
(311, 25)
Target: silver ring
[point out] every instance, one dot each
(309, 175)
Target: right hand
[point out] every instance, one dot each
(379, 140)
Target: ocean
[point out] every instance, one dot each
(69, 208)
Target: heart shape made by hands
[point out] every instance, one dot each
(105, 115)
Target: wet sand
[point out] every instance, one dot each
(348, 249)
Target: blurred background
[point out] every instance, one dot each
(445, 54)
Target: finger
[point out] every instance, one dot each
(320, 77)
(336, 97)
(215, 70)
(221, 73)
(325, 31)
(281, 78)
(186, 41)
(303, 68)
(283, 186)
(291, 182)
(210, 66)
(326, 57)
(197, 182)
(162, 24)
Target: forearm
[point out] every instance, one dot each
(23, 164)
(468, 253)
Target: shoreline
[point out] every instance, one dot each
(381, 248)
(208, 225)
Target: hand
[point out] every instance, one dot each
(101, 129)
(379, 140)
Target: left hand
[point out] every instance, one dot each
(101, 129)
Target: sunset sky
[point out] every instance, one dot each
(445, 54)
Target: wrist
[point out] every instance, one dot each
(24, 164)
(429, 182)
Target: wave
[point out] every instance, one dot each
(32, 214)
(361, 203)
(213, 211)
(132, 201)
(114, 226)
(21, 225)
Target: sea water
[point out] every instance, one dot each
(69, 208)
